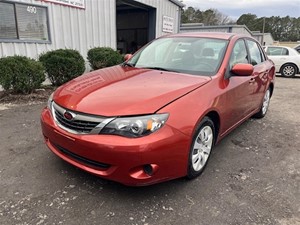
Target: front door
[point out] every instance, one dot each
(239, 89)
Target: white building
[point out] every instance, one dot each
(30, 27)
(239, 29)
(264, 39)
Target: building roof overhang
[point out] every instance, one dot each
(176, 2)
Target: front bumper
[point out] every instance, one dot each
(125, 160)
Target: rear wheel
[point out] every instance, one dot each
(288, 70)
(265, 105)
(202, 145)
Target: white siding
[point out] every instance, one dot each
(164, 8)
(268, 39)
(83, 29)
(203, 29)
(71, 27)
(227, 29)
(241, 30)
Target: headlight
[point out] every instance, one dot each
(50, 100)
(135, 126)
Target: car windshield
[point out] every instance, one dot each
(196, 56)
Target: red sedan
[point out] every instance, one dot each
(157, 116)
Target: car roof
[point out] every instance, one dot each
(279, 46)
(219, 35)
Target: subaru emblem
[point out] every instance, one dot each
(68, 115)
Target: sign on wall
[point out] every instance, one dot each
(168, 24)
(73, 3)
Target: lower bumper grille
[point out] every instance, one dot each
(88, 162)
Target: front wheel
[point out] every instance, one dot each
(201, 147)
(265, 105)
(288, 70)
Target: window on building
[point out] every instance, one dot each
(23, 22)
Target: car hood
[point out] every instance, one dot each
(119, 90)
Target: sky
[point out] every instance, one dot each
(261, 8)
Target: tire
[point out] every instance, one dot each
(288, 70)
(202, 144)
(265, 105)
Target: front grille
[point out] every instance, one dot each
(80, 126)
(88, 162)
(80, 123)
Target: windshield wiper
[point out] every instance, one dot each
(158, 68)
(127, 64)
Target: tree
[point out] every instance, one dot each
(191, 15)
(282, 28)
(250, 20)
(207, 17)
(223, 19)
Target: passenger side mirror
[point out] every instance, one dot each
(242, 69)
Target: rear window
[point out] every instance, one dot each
(277, 51)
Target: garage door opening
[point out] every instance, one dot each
(136, 24)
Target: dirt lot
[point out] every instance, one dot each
(253, 177)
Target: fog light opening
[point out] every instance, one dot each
(148, 169)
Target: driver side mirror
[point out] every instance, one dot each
(242, 69)
(127, 57)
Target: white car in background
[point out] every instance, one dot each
(286, 60)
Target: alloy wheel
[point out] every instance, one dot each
(202, 148)
(266, 102)
(288, 71)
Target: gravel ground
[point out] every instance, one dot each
(252, 178)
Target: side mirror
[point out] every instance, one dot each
(127, 57)
(242, 69)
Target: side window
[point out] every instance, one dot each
(285, 51)
(277, 51)
(256, 54)
(239, 53)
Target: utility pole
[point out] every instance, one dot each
(263, 31)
